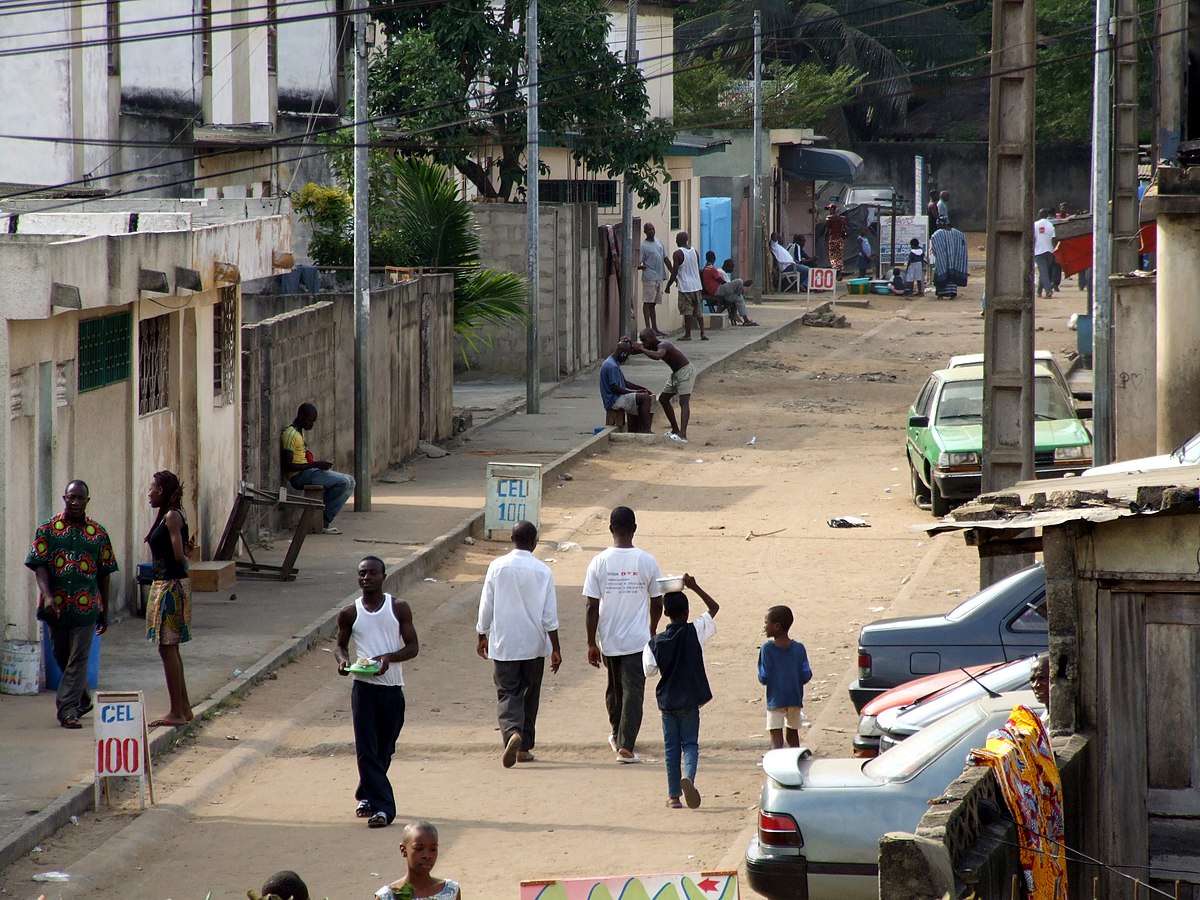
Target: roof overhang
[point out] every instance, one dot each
(819, 163)
(688, 144)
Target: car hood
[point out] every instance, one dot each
(796, 767)
(1148, 464)
(1046, 434)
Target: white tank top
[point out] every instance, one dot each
(688, 276)
(377, 633)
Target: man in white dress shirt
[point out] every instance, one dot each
(517, 628)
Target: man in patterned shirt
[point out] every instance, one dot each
(72, 559)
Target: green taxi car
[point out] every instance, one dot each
(945, 435)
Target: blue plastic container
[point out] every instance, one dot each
(54, 673)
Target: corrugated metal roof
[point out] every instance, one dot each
(1088, 498)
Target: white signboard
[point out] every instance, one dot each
(122, 739)
(514, 492)
(822, 280)
(907, 228)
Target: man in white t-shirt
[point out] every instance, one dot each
(1043, 252)
(623, 609)
(518, 629)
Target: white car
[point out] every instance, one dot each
(1186, 454)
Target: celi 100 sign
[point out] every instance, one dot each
(514, 492)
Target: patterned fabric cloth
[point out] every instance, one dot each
(1020, 755)
(449, 892)
(169, 612)
(76, 555)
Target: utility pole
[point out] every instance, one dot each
(1008, 314)
(362, 262)
(627, 303)
(533, 358)
(757, 268)
(1102, 239)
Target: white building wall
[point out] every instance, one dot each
(655, 45)
(308, 60)
(163, 71)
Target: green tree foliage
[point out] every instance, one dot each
(839, 36)
(452, 75)
(708, 96)
(418, 219)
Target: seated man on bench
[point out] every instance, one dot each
(621, 396)
(712, 279)
(301, 469)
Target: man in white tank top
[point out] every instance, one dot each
(383, 632)
(687, 272)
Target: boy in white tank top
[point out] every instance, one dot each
(384, 637)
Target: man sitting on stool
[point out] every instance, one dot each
(618, 394)
(301, 469)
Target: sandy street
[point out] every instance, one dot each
(806, 430)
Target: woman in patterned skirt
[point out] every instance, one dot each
(169, 609)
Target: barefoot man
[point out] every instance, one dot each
(681, 381)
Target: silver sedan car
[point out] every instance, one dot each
(820, 820)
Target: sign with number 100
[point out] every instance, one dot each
(119, 756)
(822, 279)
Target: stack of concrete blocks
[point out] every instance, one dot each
(569, 294)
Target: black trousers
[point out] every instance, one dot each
(518, 693)
(624, 696)
(378, 714)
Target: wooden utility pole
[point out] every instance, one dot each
(1008, 313)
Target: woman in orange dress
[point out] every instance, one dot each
(836, 228)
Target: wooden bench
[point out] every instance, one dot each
(311, 515)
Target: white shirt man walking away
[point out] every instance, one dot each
(517, 628)
(623, 609)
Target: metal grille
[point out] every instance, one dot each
(225, 326)
(104, 351)
(565, 190)
(113, 32)
(272, 37)
(154, 363)
(206, 45)
(676, 207)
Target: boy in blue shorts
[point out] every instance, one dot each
(677, 654)
(783, 667)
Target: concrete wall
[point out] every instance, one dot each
(1063, 173)
(569, 295)
(54, 432)
(307, 355)
(1134, 367)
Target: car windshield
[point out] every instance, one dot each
(984, 597)
(961, 402)
(910, 757)
(1010, 677)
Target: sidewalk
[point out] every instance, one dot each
(419, 515)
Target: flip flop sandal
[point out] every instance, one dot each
(70, 722)
(674, 803)
(628, 759)
(378, 820)
(363, 810)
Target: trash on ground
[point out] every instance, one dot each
(469, 541)
(569, 547)
(750, 535)
(432, 451)
(848, 522)
(750, 443)
(51, 876)
(825, 319)
(565, 476)
(431, 579)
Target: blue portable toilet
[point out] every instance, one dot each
(716, 228)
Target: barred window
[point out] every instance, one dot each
(206, 36)
(154, 364)
(272, 37)
(676, 207)
(225, 328)
(566, 190)
(104, 351)
(113, 35)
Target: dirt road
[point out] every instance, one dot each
(804, 431)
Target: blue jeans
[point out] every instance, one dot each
(681, 734)
(338, 488)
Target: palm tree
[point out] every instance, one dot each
(887, 42)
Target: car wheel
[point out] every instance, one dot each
(920, 496)
(938, 504)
